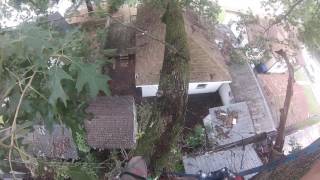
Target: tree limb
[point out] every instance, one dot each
(284, 16)
(14, 123)
(285, 110)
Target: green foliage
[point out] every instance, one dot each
(144, 113)
(176, 160)
(64, 80)
(206, 8)
(101, 35)
(303, 14)
(56, 75)
(39, 6)
(115, 4)
(82, 143)
(78, 171)
(295, 146)
(197, 138)
(94, 83)
(237, 56)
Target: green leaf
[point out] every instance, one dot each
(1, 121)
(110, 52)
(88, 75)
(77, 173)
(56, 75)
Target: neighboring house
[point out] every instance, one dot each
(277, 38)
(55, 144)
(275, 88)
(207, 69)
(113, 124)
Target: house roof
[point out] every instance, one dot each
(206, 63)
(275, 87)
(113, 124)
(236, 159)
(56, 144)
(121, 38)
(219, 125)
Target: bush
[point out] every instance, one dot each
(197, 138)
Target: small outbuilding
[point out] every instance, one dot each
(55, 144)
(113, 124)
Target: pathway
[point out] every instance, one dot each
(246, 88)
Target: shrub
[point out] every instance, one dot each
(197, 138)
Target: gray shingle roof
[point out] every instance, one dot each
(113, 124)
(57, 144)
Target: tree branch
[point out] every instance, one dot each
(284, 16)
(14, 123)
(285, 110)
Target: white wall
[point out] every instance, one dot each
(211, 87)
(226, 94)
(151, 90)
(276, 66)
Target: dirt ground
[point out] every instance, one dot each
(122, 73)
(198, 107)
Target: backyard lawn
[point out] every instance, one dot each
(314, 107)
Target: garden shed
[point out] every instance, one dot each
(113, 124)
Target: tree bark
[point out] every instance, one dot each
(285, 110)
(89, 6)
(300, 164)
(168, 114)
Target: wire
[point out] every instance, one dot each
(118, 21)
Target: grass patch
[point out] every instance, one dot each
(1, 120)
(313, 105)
(299, 75)
(301, 125)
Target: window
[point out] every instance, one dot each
(201, 86)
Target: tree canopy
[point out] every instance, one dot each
(303, 14)
(48, 77)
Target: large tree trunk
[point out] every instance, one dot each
(294, 166)
(286, 106)
(168, 114)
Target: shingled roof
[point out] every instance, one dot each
(113, 124)
(57, 144)
(206, 65)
